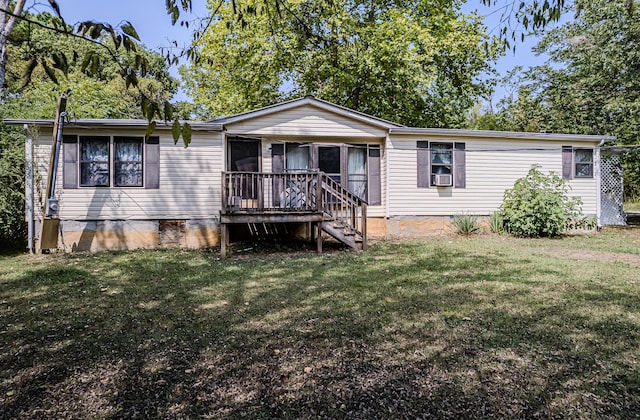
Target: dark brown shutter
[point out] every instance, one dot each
(277, 158)
(69, 161)
(375, 194)
(277, 167)
(424, 158)
(567, 162)
(460, 162)
(152, 163)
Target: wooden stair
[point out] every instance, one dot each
(343, 233)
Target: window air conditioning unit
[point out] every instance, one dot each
(443, 180)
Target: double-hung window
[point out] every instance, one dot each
(106, 161)
(127, 167)
(577, 163)
(441, 164)
(94, 161)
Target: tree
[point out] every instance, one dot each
(591, 84)
(95, 92)
(407, 61)
(7, 23)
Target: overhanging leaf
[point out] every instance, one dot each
(186, 134)
(128, 29)
(175, 131)
(151, 127)
(50, 72)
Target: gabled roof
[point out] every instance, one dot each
(308, 100)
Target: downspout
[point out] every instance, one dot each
(28, 186)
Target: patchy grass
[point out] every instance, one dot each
(633, 206)
(450, 327)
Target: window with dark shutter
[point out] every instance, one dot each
(375, 189)
(460, 165)
(567, 162)
(424, 158)
(152, 163)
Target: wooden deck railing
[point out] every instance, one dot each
(260, 193)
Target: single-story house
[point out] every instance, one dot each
(306, 163)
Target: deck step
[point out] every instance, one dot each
(350, 239)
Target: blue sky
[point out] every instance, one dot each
(155, 29)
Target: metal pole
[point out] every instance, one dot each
(28, 153)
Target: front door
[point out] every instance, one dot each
(244, 156)
(329, 162)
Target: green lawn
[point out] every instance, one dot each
(449, 327)
(633, 206)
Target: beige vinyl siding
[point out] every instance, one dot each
(305, 121)
(190, 183)
(492, 166)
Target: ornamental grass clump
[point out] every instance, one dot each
(539, 205)
(466, 224)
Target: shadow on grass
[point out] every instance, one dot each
(401, 330)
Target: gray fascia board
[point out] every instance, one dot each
(507, 135)
(112, 123)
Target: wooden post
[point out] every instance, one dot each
(319, 238)
(364, 226)
(223, 240)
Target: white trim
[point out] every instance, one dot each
(307, 100)
(497, 134)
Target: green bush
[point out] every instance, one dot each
(496, 224)
(539, 205)
(12, 219)
(466, 224)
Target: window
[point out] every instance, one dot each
(94, 161)
(583, 163)
(441, 164)
(577, 163)
(104, 161)
(297, 157)
(128, 162)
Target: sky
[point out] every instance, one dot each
(154, 27)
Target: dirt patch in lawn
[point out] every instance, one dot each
(603, 256)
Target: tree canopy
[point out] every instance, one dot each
(590, 84)
(95, 91)
(410, 61)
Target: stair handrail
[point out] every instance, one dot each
(341, 204)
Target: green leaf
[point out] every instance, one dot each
(186, 134)
(175, 131)
(50, 72)
(128, 29)
(168, 111)
(151, 127)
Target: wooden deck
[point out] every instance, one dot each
(301, 197)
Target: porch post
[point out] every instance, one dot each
(319, 237)
(223, 240)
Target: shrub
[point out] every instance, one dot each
(12, 222)
(539, 205)
(496, 223)
(466, 224)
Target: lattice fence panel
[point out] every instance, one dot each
(611, 189)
